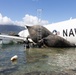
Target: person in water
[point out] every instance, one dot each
(27, 43)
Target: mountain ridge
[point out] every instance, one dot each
(6, 29)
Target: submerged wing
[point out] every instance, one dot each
(6, 39)
(11, 37)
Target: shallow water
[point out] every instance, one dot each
(37, 61)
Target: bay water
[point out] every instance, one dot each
(37, 61)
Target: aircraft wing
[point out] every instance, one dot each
(11, 37)
(5, 39)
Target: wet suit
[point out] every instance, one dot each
(27, 42)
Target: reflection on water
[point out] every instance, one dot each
(37, 61)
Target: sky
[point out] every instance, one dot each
(22, 12)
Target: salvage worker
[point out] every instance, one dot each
(40, 43)
(27, 43)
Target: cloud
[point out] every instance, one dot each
(31, 20)
(26, 20)
(5, 20)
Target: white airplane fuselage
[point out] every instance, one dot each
(65, 29)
